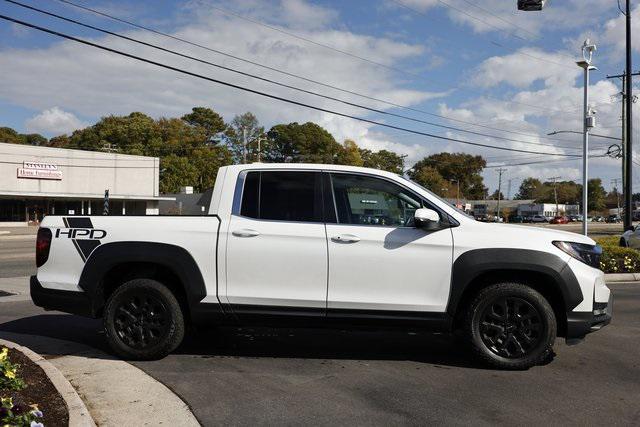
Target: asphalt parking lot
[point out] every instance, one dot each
(328, 377)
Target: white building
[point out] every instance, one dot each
(548, 210)
(36, 181)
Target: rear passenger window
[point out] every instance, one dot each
(282, 196)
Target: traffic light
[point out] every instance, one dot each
(529, 5)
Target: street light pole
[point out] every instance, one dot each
(588, 123)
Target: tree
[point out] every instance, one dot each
(495, 195)
(176, 172)
(244, 125)
(384, 160)
(461, 167)
(430, 178)
(530, 189)
(596, 195)
(301, 143)
(350, 154)
(208, 122)
(207, 161)
(10, 136)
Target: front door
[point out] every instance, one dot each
(277, 247)
(378, 261)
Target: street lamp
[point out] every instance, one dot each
(589, 121)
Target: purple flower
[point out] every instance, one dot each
(18, 409)
(37, 413)
(3, 412)
(35, 424)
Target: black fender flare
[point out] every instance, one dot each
(109, 255)
(474, 263)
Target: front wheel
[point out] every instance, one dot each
(143, 320)
(511, 326)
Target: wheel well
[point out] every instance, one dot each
(541, 282)
(125, 272)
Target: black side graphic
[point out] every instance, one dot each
(83, 246)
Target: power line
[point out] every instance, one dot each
(419, 12)
(268, 95)
(365, 96)
(409, 73)
(375, 110)
(489, 12)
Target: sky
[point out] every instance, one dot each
(474, 67)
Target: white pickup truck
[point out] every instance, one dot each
(311, 245)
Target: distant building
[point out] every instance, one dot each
(38, 181)
(548, 210)
(186, 202)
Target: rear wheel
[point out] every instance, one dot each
(143, 320)
(511, 326)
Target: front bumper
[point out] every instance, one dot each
(580, 324)
(54, 299)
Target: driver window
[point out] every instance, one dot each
(363, 200)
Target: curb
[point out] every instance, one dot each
(621, 277)
(78, 413)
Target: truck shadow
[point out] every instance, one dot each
(437, 349)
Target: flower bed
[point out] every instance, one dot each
(27, 397)
(616, 259)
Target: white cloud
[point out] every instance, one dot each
(516, 70)
(97, 83)
(54, 121)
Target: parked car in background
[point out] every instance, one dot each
(516, 219)
(614, 219)
(482, 218)
(527, 219)
(539, 218)
(631, 238)
(559, 220)
(597, 218)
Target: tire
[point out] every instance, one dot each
(521, 339)
(143, 320)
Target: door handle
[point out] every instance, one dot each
(345, 238)
(245, 232)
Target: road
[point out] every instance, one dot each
(329, 377)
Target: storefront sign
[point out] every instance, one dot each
(37, 170)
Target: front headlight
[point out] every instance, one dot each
(589, 254)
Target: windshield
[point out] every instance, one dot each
(438, 197)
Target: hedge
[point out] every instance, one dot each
(616, 259)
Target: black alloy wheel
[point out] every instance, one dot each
(141, 320)
(511, 327)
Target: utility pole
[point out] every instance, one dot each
(555, 191)
(628, 218)
(623, 145)
(457, 181)
(615, 182)
(509, 189)
(500, 171)
(244, 145)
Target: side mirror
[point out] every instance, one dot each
(426, 218)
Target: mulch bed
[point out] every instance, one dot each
(39, 390)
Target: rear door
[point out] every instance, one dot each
(379, 263)
(277, 248)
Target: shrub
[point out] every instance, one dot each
(608, 241)
(619, 260)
